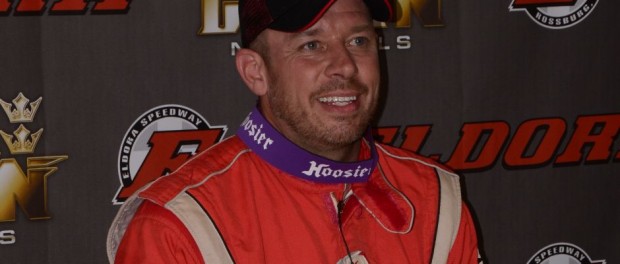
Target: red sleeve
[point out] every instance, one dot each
(465, 247)
(156, 235)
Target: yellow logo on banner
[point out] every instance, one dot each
(20, 110)
(220, 16)
(29, 189)
(24, 142)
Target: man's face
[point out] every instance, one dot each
(324, 82)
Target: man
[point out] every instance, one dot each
(302, 181)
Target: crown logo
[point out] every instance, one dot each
(20, 111)
(23, 142)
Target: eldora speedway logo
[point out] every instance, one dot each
(555, 14)
(563, 253)
(160, 141)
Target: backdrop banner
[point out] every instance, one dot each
(520, 97)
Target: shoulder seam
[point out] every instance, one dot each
(213, 174)
(436, 167)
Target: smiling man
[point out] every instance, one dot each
(302, 180)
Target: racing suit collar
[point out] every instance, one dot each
(264, 140)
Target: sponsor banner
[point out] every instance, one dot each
(220, 17)
(555, 14)
(533, 143)
(38, 7)
(562, 253)
(24, 174)
(158, 142)
(528, 116)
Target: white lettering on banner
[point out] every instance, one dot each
(556, 16)
(7, 237)
(126, 151)
(403, 42)
(170, 112)
(562, 21)
(255, 131)
(324, 170)
(559, 251)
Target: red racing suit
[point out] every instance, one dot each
(227, 205)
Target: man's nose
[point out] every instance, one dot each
(341, 63)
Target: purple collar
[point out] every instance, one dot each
(258, 134)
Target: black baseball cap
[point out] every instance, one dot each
(293, 15)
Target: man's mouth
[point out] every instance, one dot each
(338, 100)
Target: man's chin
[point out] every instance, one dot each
(340, 137)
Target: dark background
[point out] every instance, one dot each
(97, 73)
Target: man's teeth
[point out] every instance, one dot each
(338, 100)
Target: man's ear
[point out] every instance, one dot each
(251, 68)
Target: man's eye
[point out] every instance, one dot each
(312, 45)
(359, 41)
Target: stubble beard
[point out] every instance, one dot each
(313, 129)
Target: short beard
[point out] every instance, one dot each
(313, 131)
